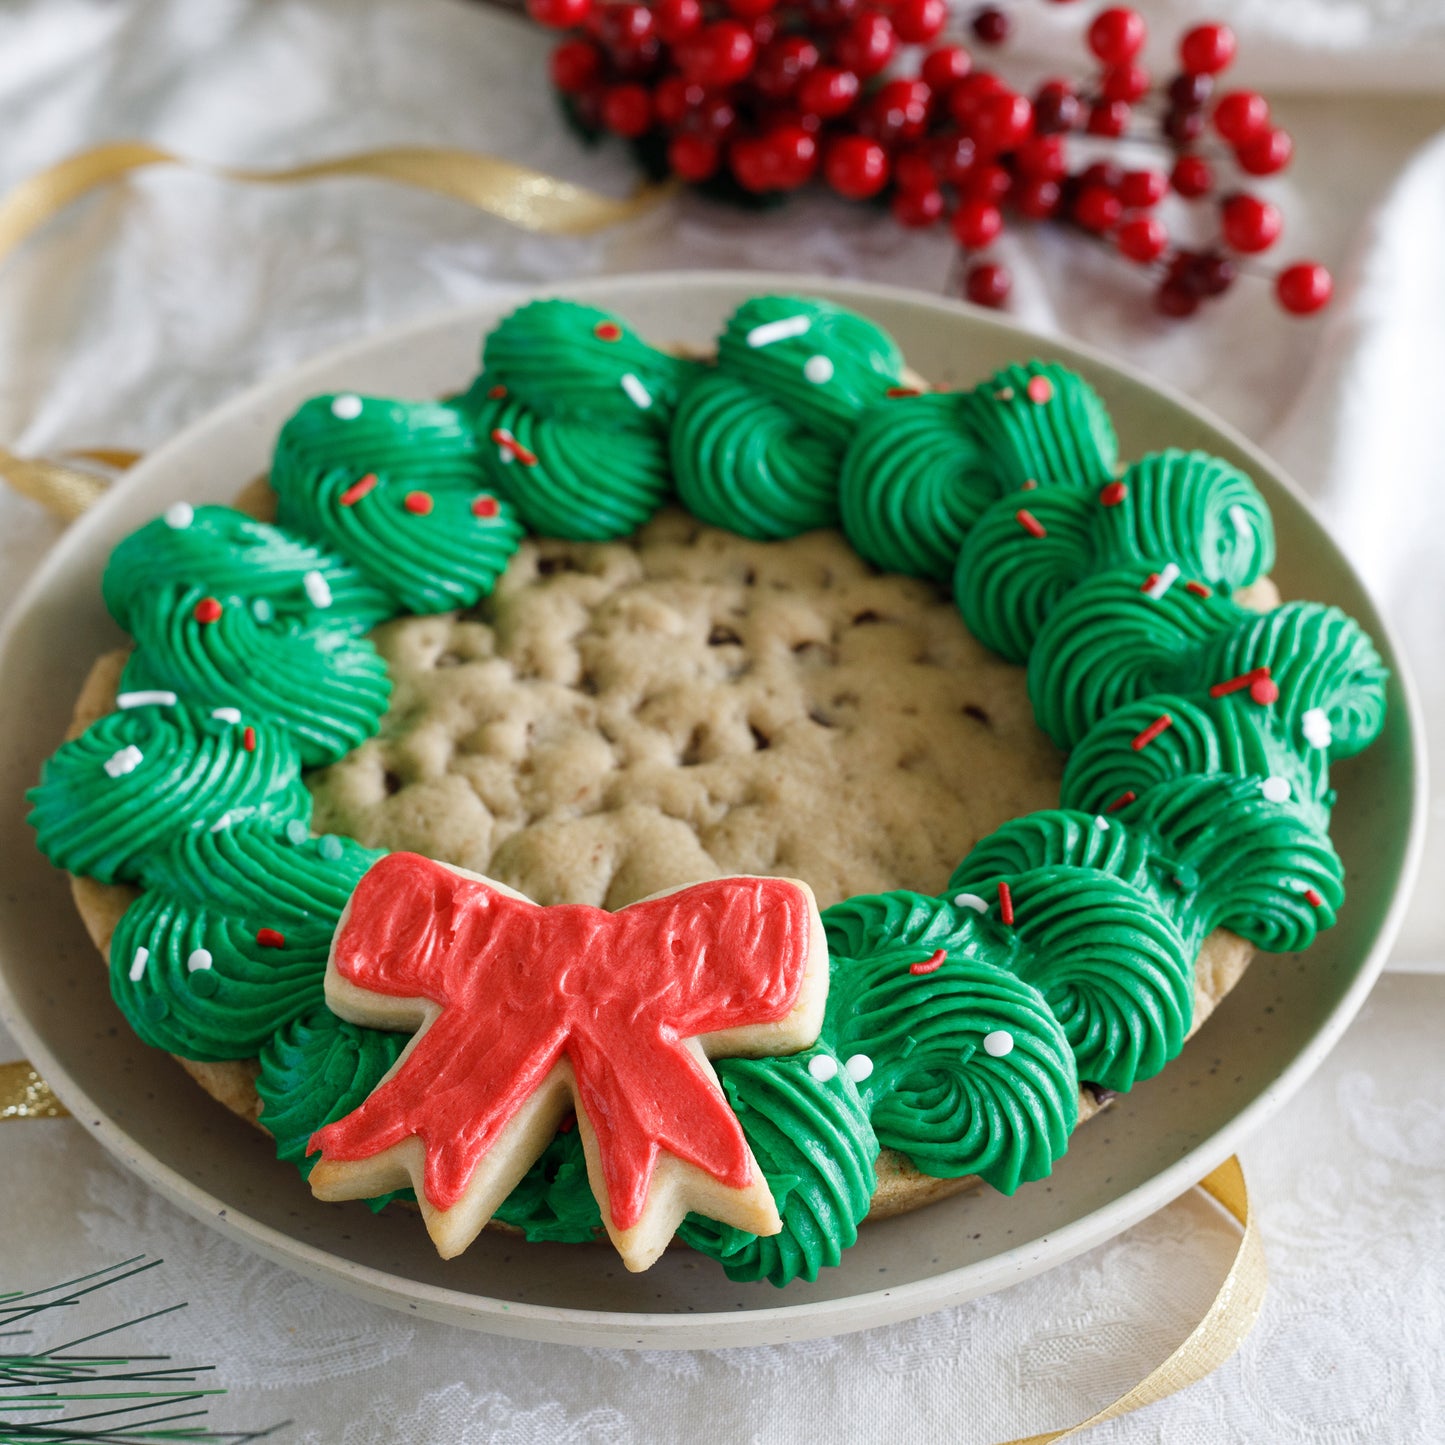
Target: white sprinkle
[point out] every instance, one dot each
(318, 589)
(180, 515)
(636, 392)
(999, 1044)
(1102, 824)
(784, 330)
(818, 370)
(224, 821)
(822, 1067)
(1296, 885)
(505, 442)
(1276, 790)
(859, 1067)
(1004, 393)
(157, 696)
(1163, 582)
(970, 900)
(127, 760)
(138, 964)
(201, 958)
(1317, 729)
(346, 408)
(226, 714)
(1239, 518)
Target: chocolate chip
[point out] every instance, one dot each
(392, 783)
(973, 710)
(721, 636)
(1100, 1094)
(865, 617)
(760, 739)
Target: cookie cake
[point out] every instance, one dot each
(730, 797)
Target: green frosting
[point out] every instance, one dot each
(554, 1201)
(191, 966)
(1057, 434)
(571, 416)
(315, 1070)
(267, 649)
(184, 770)
(758, 443)
(1183, 507)
(914, 481)
(427, 534)
(813, 1142)
(934, 1091)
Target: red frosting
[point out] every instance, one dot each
(521, 986)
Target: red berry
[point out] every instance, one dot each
(1001, 121)
(783, 64)
(913, 170)
(559, 14)
(1211, 274)
(693, 157)
(1096, 208)
(828, 92)
(942, 67)
(867, 45)
(1102, 173)
(1250, 224)
(1266, 154)
(1041, 157)
(718, 55)
(918, 208)
(763, 29)
(782, 160)
(750, 9)
(969, 93)
(919, 21)
(1056, 108)
(624, 28)
(992, 26)
(1108, 118)
(1176, 300)
(675, 19)
(899, 110)
(1183, 127)
(714, 118)
(1117, 35)
(987, 284)
(1192, 177)
(575, 66)
(673, 98)
(987, 182)
(1036, 197)
(1190, 92)
(1304, 287)
(1142, 190)
(1241, 116)
(1125, 82)
(976, 223)
(1207, 49)
(856, 167)
(1142, 239)
(627, 110)
(953, 158)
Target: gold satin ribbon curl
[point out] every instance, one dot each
(540, 203)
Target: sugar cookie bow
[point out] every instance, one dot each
(528, 1012)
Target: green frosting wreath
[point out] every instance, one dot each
(1196, 794)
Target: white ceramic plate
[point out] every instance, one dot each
(1271, 1032)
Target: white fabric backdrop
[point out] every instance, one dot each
(144, 309)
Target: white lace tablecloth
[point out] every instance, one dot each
(144, 309)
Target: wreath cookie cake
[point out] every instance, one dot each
(548, 804)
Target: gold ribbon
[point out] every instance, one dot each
(527, 198)
(25, 1095)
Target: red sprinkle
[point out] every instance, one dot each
(1159, 725)
(1312, 897)
(1149, 581)
(1030, 523)
(1238, 684)
(270, 938)
(497, 392)
(568, 1124)
(903, 391)
(208, 609)
(419, 503)
(607, 331)
(486, 506)
(1122, 801)
(509, 443)
(1113, 494)
(1199, 589)
(358, 489)
(927, 965)
(1030, 485)
(1040, 390)
(1005, 904)
(248, 739)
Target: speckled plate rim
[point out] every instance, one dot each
(782, 1321)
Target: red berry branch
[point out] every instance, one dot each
(878, 99)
